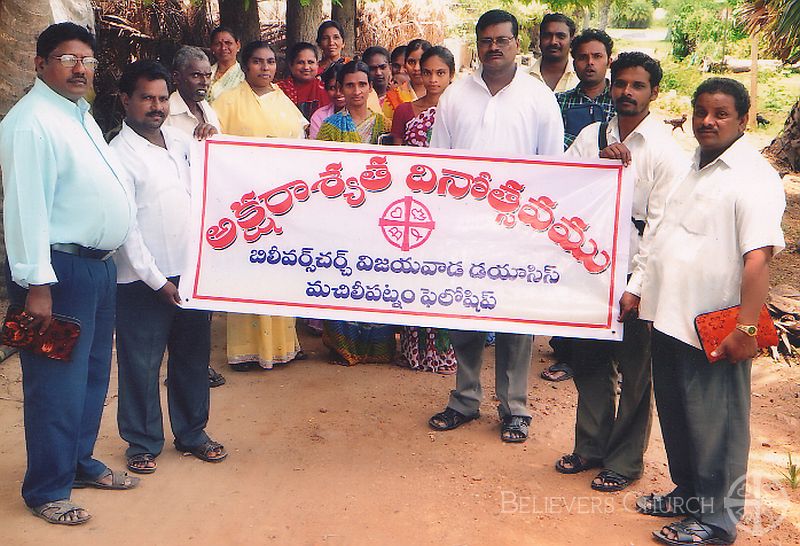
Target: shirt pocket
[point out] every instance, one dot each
(698, 217)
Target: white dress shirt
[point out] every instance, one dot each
(156, 247)
(182, 118)
(523, 118)
(659, 165)
(714, 217)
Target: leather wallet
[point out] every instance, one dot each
(57, 342)
(713, 327)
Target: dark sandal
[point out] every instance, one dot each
(202, 451)
(215, 379)
(140, 463)
(245, 366)
(57, 511)
(120, 481)
(690, 532)
(610, 481)
(660, 506)
(450, 419)
(562, 368)
(576, 464)
(515, 429)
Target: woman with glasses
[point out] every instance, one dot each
(226, 72)
(258, 108)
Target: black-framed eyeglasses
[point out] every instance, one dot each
(69, 61)
(501, 41)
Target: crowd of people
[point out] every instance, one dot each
(87, 238)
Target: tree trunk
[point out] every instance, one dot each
(604, 9)
(242, 17)
(784, 151)
(345, 15)
(302, 22)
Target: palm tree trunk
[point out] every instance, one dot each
(784, 151)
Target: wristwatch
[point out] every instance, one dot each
(748, 329)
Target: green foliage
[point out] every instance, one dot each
(692, 22)
(632, 14)
(792, 473)
(680, 76)
(527, 12)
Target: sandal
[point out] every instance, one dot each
(560, 371)
(203, 451)
(119, 481)
(574, 463)
(215, 379)
(450, 419)
(142, 463)
(245, 366)
(690, 532)
(662, 506)
(610, 481)
(515, 428)
(58, 512)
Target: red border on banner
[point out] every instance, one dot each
(396, 152)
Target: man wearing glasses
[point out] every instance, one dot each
(499, 109)
(66, 211)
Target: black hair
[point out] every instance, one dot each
(299, 47)
(57, 34)
(591, 35)
(631, 59)
(444, 54)
(417, 43)
(147, 69)
(220, 29)
(495, 17)
(331, 73)
(326, 25)
(375, 50)
(250, 48)
(558, 18)
(726, 86)
(399, 50)
(351, 68)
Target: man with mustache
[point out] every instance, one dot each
(553, 68)
(720, 228)
(149, 316)
(612, 432)
(189, 111)
(524, 120)
(67, 208)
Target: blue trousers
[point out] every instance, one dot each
(146, 327)
(63, 401)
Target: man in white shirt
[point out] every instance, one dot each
(149, 316)
(612, 433)
(553, 68)
(499, 109)
(720, 228)
(189, 112)
(188, 107)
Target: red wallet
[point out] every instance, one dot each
(57, 342)
(713, 327)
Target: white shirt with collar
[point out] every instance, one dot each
(156, 247)
(523, 118)
(714, 217)
(182, 118)
(659, 165)
(569, 79)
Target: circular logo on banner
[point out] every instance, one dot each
(406, 223)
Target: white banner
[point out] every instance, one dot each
(400, 235)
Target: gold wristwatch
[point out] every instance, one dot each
(748, 329)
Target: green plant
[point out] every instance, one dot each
(633, 14)
(792, 473)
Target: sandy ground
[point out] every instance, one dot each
(324, 454)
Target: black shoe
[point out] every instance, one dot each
(215, 379)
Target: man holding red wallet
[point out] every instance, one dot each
(66, 210)
(720, 228)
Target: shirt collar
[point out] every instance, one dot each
(81, 105)
(138, 142)
(478, 77)
(578, 90)
(177, 105)
(738, 155)
(645, 128)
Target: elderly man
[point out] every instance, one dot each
(189, 110)
(612, 431)
(553, 67)
(66, 210)
(149, 317)
(526, 120)
(711, 251)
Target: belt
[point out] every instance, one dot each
(82, 251)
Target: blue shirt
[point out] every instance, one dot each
(61, 182)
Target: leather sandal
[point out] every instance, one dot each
(574, 464)
(690, 532)
(203, 451)
(610, 481)
(515, 428)
(58, 512)
(141, 463)
(450, 419)
(119, 481)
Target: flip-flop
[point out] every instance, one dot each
(120, 481)
(53, 512)
(576, 463)
(142, 459)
